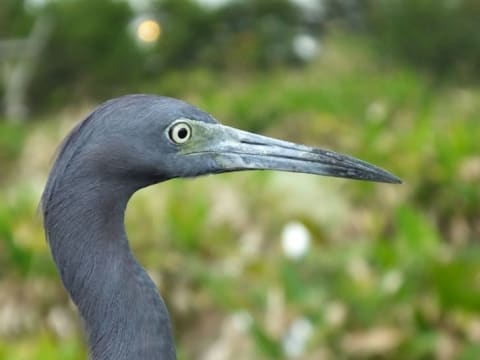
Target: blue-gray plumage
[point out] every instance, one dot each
(126, 144)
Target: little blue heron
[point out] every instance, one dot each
(124, 145)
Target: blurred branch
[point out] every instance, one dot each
(18, 74)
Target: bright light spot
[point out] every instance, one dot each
(148, 31)
(296, 338)
(295, 240)
(305, 46)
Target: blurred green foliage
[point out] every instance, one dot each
(441, 37)
(12, 138)
(239, 35)
(90, 52)
(392, 271)
(105, 59)
(14, 20)
(93, 51)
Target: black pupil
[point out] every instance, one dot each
(182, 133)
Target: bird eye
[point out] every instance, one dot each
(180, 132)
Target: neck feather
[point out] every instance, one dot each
(124, 314)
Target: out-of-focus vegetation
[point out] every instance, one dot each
(429, 34)
(388, 271)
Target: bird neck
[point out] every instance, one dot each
(124, 314)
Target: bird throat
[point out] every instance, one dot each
(124, 314)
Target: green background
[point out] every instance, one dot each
(391, 271)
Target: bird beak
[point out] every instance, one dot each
(234, 150)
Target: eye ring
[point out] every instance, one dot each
(180, 132)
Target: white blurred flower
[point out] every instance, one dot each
(305, 46)
(242, 320)
(295, 240)
(296, 338)
(391, 281)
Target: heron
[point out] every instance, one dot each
(126, 144)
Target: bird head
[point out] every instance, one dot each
(143, 139)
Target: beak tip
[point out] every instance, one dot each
(392, 179)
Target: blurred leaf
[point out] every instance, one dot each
(416, 233)
(458, 281)
(12, 138)
(450, 41)
(267, 346)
